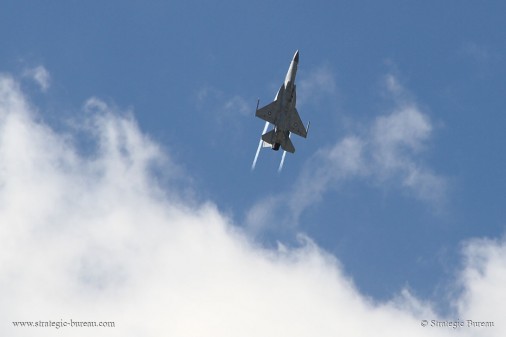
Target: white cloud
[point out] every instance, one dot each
(209, 98)
(479, 53)
(316, 84)
(483, 280)
(393, 86)
(326, 170)
(92, 238)
(396, 140)
(239, 105)
(223, 113)
(40, 75)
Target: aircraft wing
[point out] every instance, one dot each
(269, 112)
(295, 125)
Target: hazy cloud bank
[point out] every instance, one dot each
(92, 237)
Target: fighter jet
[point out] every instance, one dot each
(283, 114)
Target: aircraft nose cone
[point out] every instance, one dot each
(296, 57)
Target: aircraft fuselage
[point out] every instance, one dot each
(286, 97)
(283, 114)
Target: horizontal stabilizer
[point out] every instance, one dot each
(287, 145)
(269, 137)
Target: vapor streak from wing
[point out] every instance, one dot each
(282, 162)
(259, 146)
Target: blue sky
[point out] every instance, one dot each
(403, 169)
